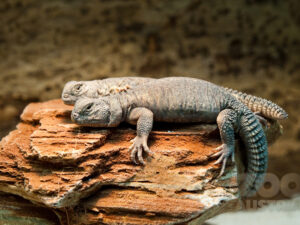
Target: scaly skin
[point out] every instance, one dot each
(74, 90)
(182, 100)
(259, 105)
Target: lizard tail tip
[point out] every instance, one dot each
(283, 115)
(279, 113)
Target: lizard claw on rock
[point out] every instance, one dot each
(139, 145)
(224, 152)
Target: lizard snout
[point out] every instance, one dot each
(65, 96)
(74, 116)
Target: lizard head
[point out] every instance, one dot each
(74, 90)
(102, 112)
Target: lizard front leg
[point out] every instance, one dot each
(226, 120)
(143, 118)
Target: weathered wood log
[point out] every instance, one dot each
(85, 175)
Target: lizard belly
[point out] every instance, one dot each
(182, 116)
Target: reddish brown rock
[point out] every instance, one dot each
(85, 175)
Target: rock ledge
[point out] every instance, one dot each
(85, 176)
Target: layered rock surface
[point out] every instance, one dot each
(85, 175)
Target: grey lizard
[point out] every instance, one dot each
(74, 90)
(182, 100)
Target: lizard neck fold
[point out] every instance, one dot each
(119, 107)
(116, 112)
(124, 104)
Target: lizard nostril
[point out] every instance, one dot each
(74, 116)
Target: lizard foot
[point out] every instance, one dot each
(224, 152)
(261, 119)
(139, 145)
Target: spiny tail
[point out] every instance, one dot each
(260, 105)
(256, 145)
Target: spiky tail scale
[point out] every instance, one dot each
(256, 145)
(260, 105)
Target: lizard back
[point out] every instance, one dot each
(178, 99)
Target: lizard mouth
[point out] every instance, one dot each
(75, 117)
(69, 102)
(90, 124)
(67, 99)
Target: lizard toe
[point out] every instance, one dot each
(219, 149)
(140, 155)
(132, 140)
(225, 153)
(217, 154)
(137, 148)
(223, 167)
(220, 159)
(146, 149)
(133, 154)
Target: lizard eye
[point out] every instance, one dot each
(78, 87)
(89, 107)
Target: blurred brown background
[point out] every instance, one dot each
(249, 45)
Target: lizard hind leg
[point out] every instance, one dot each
(226, 121)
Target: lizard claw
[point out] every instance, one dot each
(224, 152)
(139, 145)
(132, 140)
(133, 153)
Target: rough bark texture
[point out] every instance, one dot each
(85, 175)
